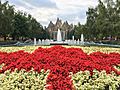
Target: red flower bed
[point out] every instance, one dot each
(60, 61)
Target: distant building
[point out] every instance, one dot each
(66, 29)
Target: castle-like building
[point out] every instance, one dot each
(66, 29)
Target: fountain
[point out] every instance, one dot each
(73, 38)
(35, 41)
(59, 37)
(66, 42)
(60, 42)
(82, 39)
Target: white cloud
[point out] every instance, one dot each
(75, 3)
(71, 10)
(74, 10)
(44, 15)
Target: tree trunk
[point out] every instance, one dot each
(13, 38)
(5, 38)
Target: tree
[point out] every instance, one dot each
(103, 20)
(6, 18)
(20, 26)
(90, 24)
(25, 26)
(35, 29)
(79, 29)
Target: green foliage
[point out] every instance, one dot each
(18, 25)
(98, 81)
(22, 80)
(79, 29)
(26, 26)
(102, 21)
(6, 19)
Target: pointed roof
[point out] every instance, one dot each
(50, 24)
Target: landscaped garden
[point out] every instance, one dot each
(59, 68)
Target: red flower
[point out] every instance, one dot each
(60, 61)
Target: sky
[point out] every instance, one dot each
(44, 11)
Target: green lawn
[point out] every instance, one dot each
(86, 49)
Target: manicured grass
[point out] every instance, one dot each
(86, 49)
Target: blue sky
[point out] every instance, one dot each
(44, 11)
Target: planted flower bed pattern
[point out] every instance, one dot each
(61, 62)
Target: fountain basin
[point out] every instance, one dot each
(59, 43)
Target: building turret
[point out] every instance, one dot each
(64, 27)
